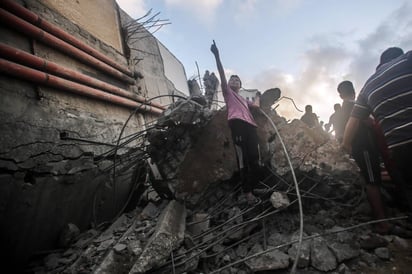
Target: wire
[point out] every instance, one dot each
(293, 270)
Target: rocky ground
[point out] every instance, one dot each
(224, 234)
(193, 218)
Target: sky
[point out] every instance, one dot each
(304, 47)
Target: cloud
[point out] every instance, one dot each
(247, 10)
(396, 30)
(203, 10)
(315, 84)
(283, 7)
(328, 60)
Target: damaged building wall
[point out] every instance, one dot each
(143, 51)
(83, 13)
(174, 70)
(56, 154)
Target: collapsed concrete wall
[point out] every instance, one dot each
(59, 149)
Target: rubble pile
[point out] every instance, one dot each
(193, 218)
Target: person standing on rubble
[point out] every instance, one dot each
(365, 151)
(210, 82)
(310, 118)
(387, 96)
(334, 121)
(214, 83)
(243, 128)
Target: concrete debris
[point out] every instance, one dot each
(169, 235)
(279, 199)
(200, 223)
(150, 211)
(273, 260)
(382, 253)
(321, 256)
(344, 252)
(192, 218)
(68, 235)
(304, 255)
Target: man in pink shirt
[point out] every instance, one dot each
(243, 128)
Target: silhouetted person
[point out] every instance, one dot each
(310, 118)
(335, 122)
(365, 151)
(387, 95)
(210, 90)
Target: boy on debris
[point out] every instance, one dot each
(243, 128)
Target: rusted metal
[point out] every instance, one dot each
(24, 58)
(46, 79)
(38, 34)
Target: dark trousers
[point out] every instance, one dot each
(366, 153)
(402, 156)
(245, 139)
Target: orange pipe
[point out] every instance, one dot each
(34, 19)
(54, 42)
(24, 58)
(46, 79)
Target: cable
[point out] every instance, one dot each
(293, 270)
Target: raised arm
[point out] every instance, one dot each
(219, 65)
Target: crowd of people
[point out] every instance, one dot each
(374, 128)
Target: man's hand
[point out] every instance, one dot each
(213, 48)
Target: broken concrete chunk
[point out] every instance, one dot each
(105, 244)
(68, 235)
(169, 234)
(321, 256)
(276, 239)
(119, 248)
(150, 211)
(279, 199)
(344, 252)
(382, 253)
(200, 223)
(272, 260)
(135, 247)
(304, 255)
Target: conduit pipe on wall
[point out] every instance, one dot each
(34, 19)
(24, 58)
(46, 79)
(38, 34)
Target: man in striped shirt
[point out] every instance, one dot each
(387, 95)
